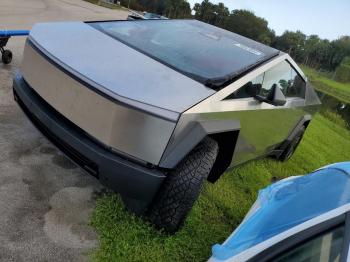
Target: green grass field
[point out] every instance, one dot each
(220, 208)
(322, 82)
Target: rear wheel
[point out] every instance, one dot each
(293, 145)
(182, 187)
(6, 56)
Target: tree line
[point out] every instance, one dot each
(321, 54)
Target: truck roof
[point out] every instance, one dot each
(208, 54)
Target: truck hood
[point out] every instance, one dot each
(116, 69)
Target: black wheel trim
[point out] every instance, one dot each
(293, 146)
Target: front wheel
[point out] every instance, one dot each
(182, 187)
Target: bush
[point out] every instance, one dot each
(342, 73)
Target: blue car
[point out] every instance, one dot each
(301, 218)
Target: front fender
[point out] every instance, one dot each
(188, 134)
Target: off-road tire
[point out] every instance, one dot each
(293, 145)
(6, 56)
(182, 187)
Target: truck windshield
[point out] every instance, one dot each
(203, 52)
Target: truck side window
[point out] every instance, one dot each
(250, 89)
(282, 75)
(286, 78)
(279, 75)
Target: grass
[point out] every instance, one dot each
(220, 208)
(335, 118)
(324, 83)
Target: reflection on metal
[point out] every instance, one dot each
(114, 125)
(263, 126)
(118, 71)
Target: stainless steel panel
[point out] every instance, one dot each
(130, 131)
(262, 125)
(116, 69)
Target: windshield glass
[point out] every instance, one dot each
(203, 52)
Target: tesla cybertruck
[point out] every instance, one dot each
(153, 108)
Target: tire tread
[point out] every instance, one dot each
(182, 187)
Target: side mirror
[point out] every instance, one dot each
(274, 97)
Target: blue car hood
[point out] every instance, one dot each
(286, 204)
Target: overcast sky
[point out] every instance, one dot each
(326, 18)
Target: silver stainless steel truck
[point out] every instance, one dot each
(153, 108)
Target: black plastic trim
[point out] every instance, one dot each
(122, 175)
(303, 122)
(191, 136)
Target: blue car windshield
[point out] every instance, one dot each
(203, 52)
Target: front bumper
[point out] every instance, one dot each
(132, 180)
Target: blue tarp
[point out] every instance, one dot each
(9, 33)
(289, 203)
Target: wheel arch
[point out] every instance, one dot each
(224, 132)
(306, 123)
(303, 122)
(227, 143)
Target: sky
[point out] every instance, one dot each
(326, 18)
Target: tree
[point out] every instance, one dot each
(246, 23)
(342, 73)
(205, 11)
(292, 43)
(221, 13)
(340, 49)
